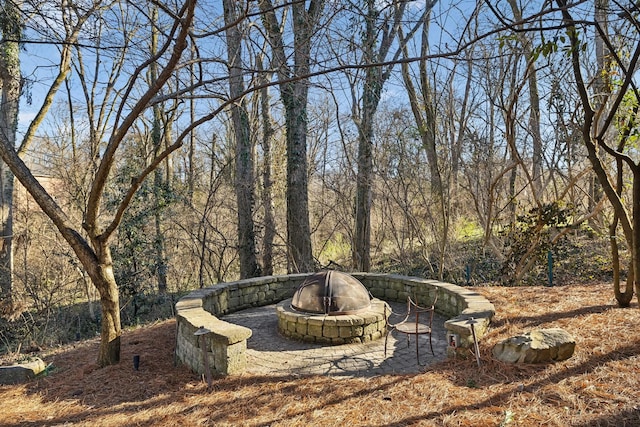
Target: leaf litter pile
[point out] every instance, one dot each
(598, 386)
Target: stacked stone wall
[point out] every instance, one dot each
(339, 329)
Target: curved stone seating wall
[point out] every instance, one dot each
(226, 343)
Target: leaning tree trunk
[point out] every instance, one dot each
(96, 257)
(596, 145)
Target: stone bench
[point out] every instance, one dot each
(226, 343)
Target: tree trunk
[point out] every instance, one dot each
(298, 228)
(625, 296)
(635, 247)
(100, 269)
(534, 127)
(362, 236)
(267, 183)
(158, 241)
(364, 179)
(370, 100)
(534, 111)
(244, 182)
(10, 79)
(294, 93)
(158, 182)
(6, 233)
(601, 91)
(374, 51)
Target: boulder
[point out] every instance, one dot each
(537, 346)
(21, 372)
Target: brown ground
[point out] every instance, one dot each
(598, 386)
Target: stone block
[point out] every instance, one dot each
(250, 299)
(402, 296)
(391, 294)
(370, 329)
(397, 286)
(344, 320)
(314, 330)
(537, 346)
(234, 302)
(345, 331)
(330, 331)
(301, 328)
(308, 338)
(21, 372)
(315, 321)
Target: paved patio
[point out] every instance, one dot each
(269, 353)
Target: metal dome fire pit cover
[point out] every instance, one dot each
(331, 293)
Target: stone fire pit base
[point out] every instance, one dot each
(341, 329)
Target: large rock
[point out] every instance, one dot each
(22, 372)
(537, 346)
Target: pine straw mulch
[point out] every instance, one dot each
(598, 386)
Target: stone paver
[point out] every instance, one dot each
(269, 353)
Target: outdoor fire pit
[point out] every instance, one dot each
(332, 307)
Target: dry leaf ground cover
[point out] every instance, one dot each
(599, 386)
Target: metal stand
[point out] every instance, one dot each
(476, 349)
(201, 334)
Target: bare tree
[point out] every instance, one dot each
(93, 251)
(600, 117)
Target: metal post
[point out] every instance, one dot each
(550, 267)
(201, 333)
(468, 270)
(472, 322)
